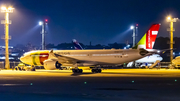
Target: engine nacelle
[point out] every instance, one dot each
(51, 64)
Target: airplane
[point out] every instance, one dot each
(74, 58)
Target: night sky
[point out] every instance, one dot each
(98, 21)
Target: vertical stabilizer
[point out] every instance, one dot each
(148, 40)
(77, 46)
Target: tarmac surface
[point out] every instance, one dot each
(111, 84)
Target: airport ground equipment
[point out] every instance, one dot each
(24, 67)
(156, 63)
(176, 62)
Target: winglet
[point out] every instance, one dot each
(51, 55)
(51, 51)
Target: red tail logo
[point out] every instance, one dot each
(151, 36)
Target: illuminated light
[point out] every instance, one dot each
(31, 84)
(132, 27)
(10, 8)
(158, 51)
(169, 18)
(132, 81)
(85, 82)
(175, 80)
(40, 23)
(46, 20)
(7, 10)
(136, 24)
(3, 8)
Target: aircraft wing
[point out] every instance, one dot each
(68, 60)
(62, 59)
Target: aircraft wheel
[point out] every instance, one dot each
(93, 70)
(99, 70)
(80, 70)
(74, 70)
(19, 68)
(33, 69)
(96, 70)
(22, 69)
(77, 70)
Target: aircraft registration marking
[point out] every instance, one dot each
(63, 53)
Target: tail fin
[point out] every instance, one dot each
(77, 46)
(148, 40)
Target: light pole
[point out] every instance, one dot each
(171, 20)
(136, 33)
(43, 32)
(6, 22)
(134, 36)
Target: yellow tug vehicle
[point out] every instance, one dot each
(24, 67)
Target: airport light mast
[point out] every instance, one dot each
(171, 20)
(6, 22)
(43, 32)
(136, 32)
(134, 36)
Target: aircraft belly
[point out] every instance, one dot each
(110, 59)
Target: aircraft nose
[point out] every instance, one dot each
(161, 58)
(22, 59)
(26, 59)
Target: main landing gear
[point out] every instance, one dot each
(93, 69)
(77, 70)
(96, 70)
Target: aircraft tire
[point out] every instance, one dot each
(19, 68)
(93, 70)
(77, 70)
(99, 70)
(80, 70)
(23, 70)
(96, 70)
(73, 70)
(33, 69)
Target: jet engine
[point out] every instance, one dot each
(51, 64)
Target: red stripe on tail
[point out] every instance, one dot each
(151, 35)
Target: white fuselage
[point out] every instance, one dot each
(150, 59)
(84, 57)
